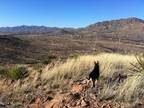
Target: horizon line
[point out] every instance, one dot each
(41, 25)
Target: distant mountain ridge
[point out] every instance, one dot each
(125, 29)
(118, 24)
(25, 28)
(99, 26)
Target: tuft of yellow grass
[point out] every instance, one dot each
(132, 88)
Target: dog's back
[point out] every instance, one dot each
(95, 73)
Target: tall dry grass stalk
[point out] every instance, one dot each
(132, 88)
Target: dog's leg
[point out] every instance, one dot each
(93, 80)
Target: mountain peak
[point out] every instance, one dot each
(135, 19)
(118, 23)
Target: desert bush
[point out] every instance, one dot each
(49, 59)
(3, 71)
(74, 56)
(16, 72)
(139, 66)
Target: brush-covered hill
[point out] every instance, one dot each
(13, 49)
(130, 28)
(124, 34)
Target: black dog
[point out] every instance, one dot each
(94, 75)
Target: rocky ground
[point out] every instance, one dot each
(80, 94)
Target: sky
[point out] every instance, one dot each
(67, 13)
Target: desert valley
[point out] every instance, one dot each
(47, 67)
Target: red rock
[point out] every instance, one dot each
(76, 88)
(38, 101)
(34, 106)
(49, 104)
(55, 103)
(83, 103)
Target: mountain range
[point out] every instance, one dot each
(34, 43)
(105, 26)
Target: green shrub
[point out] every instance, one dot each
(49, 59)
(3, 71)
(74, 56)
(16, 72)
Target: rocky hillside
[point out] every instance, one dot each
(10, 47)
(124, 29)
(127, 34)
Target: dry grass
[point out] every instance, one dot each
(127, 88)
(118, 82)
(74, 68)
(132, 88)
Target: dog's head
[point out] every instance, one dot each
(96, 63)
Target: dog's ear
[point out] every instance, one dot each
(96, 62)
